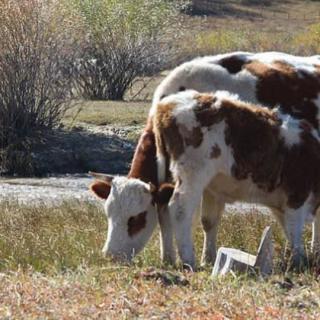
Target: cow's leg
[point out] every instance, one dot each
(167, 249)
(211, 211)
(315, 243)
(294, 220)
(182, 206)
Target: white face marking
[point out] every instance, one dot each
(128, 198)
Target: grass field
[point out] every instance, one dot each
(52, 267)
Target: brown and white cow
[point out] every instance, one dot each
(266, 78)
(235, 151)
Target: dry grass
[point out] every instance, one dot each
(239, 25)
(285, 16)
(133, 111)
(52, 268)
(117, 113)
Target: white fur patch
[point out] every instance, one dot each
(224, 95)
(203, 75)
(128, 197)
(290, 130)
(184, 101)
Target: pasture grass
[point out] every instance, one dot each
(288, 26)
(51, 268)
(129, 112)
(115, 113)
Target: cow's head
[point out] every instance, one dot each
(131, 211)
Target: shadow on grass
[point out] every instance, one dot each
(78, 151)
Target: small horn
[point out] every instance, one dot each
(101, 176)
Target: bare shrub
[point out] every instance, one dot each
(34, 88)
(123, 39)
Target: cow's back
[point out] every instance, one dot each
(271, 79)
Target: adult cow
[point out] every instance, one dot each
(269, 79)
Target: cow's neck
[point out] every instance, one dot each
(144, 162)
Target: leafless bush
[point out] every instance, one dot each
(124, 39)
(108, 69)
(34, 89)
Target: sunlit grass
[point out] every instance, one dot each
(51, 266)
(116, 113)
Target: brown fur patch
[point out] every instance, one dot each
(144, 163)
(215, 152)
(166, 128)
(137, 223)
(205, 114)
(293, 90)
(253, 135)
(233, 64)
(100, 189)
(192, 138)
(206, 224)
(163, 195)
(205, 100)
(301, 171)
(260, 153)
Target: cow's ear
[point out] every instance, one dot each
(101, 189)
(164, 193)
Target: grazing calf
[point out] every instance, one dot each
(130, 204)
(237, 151)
